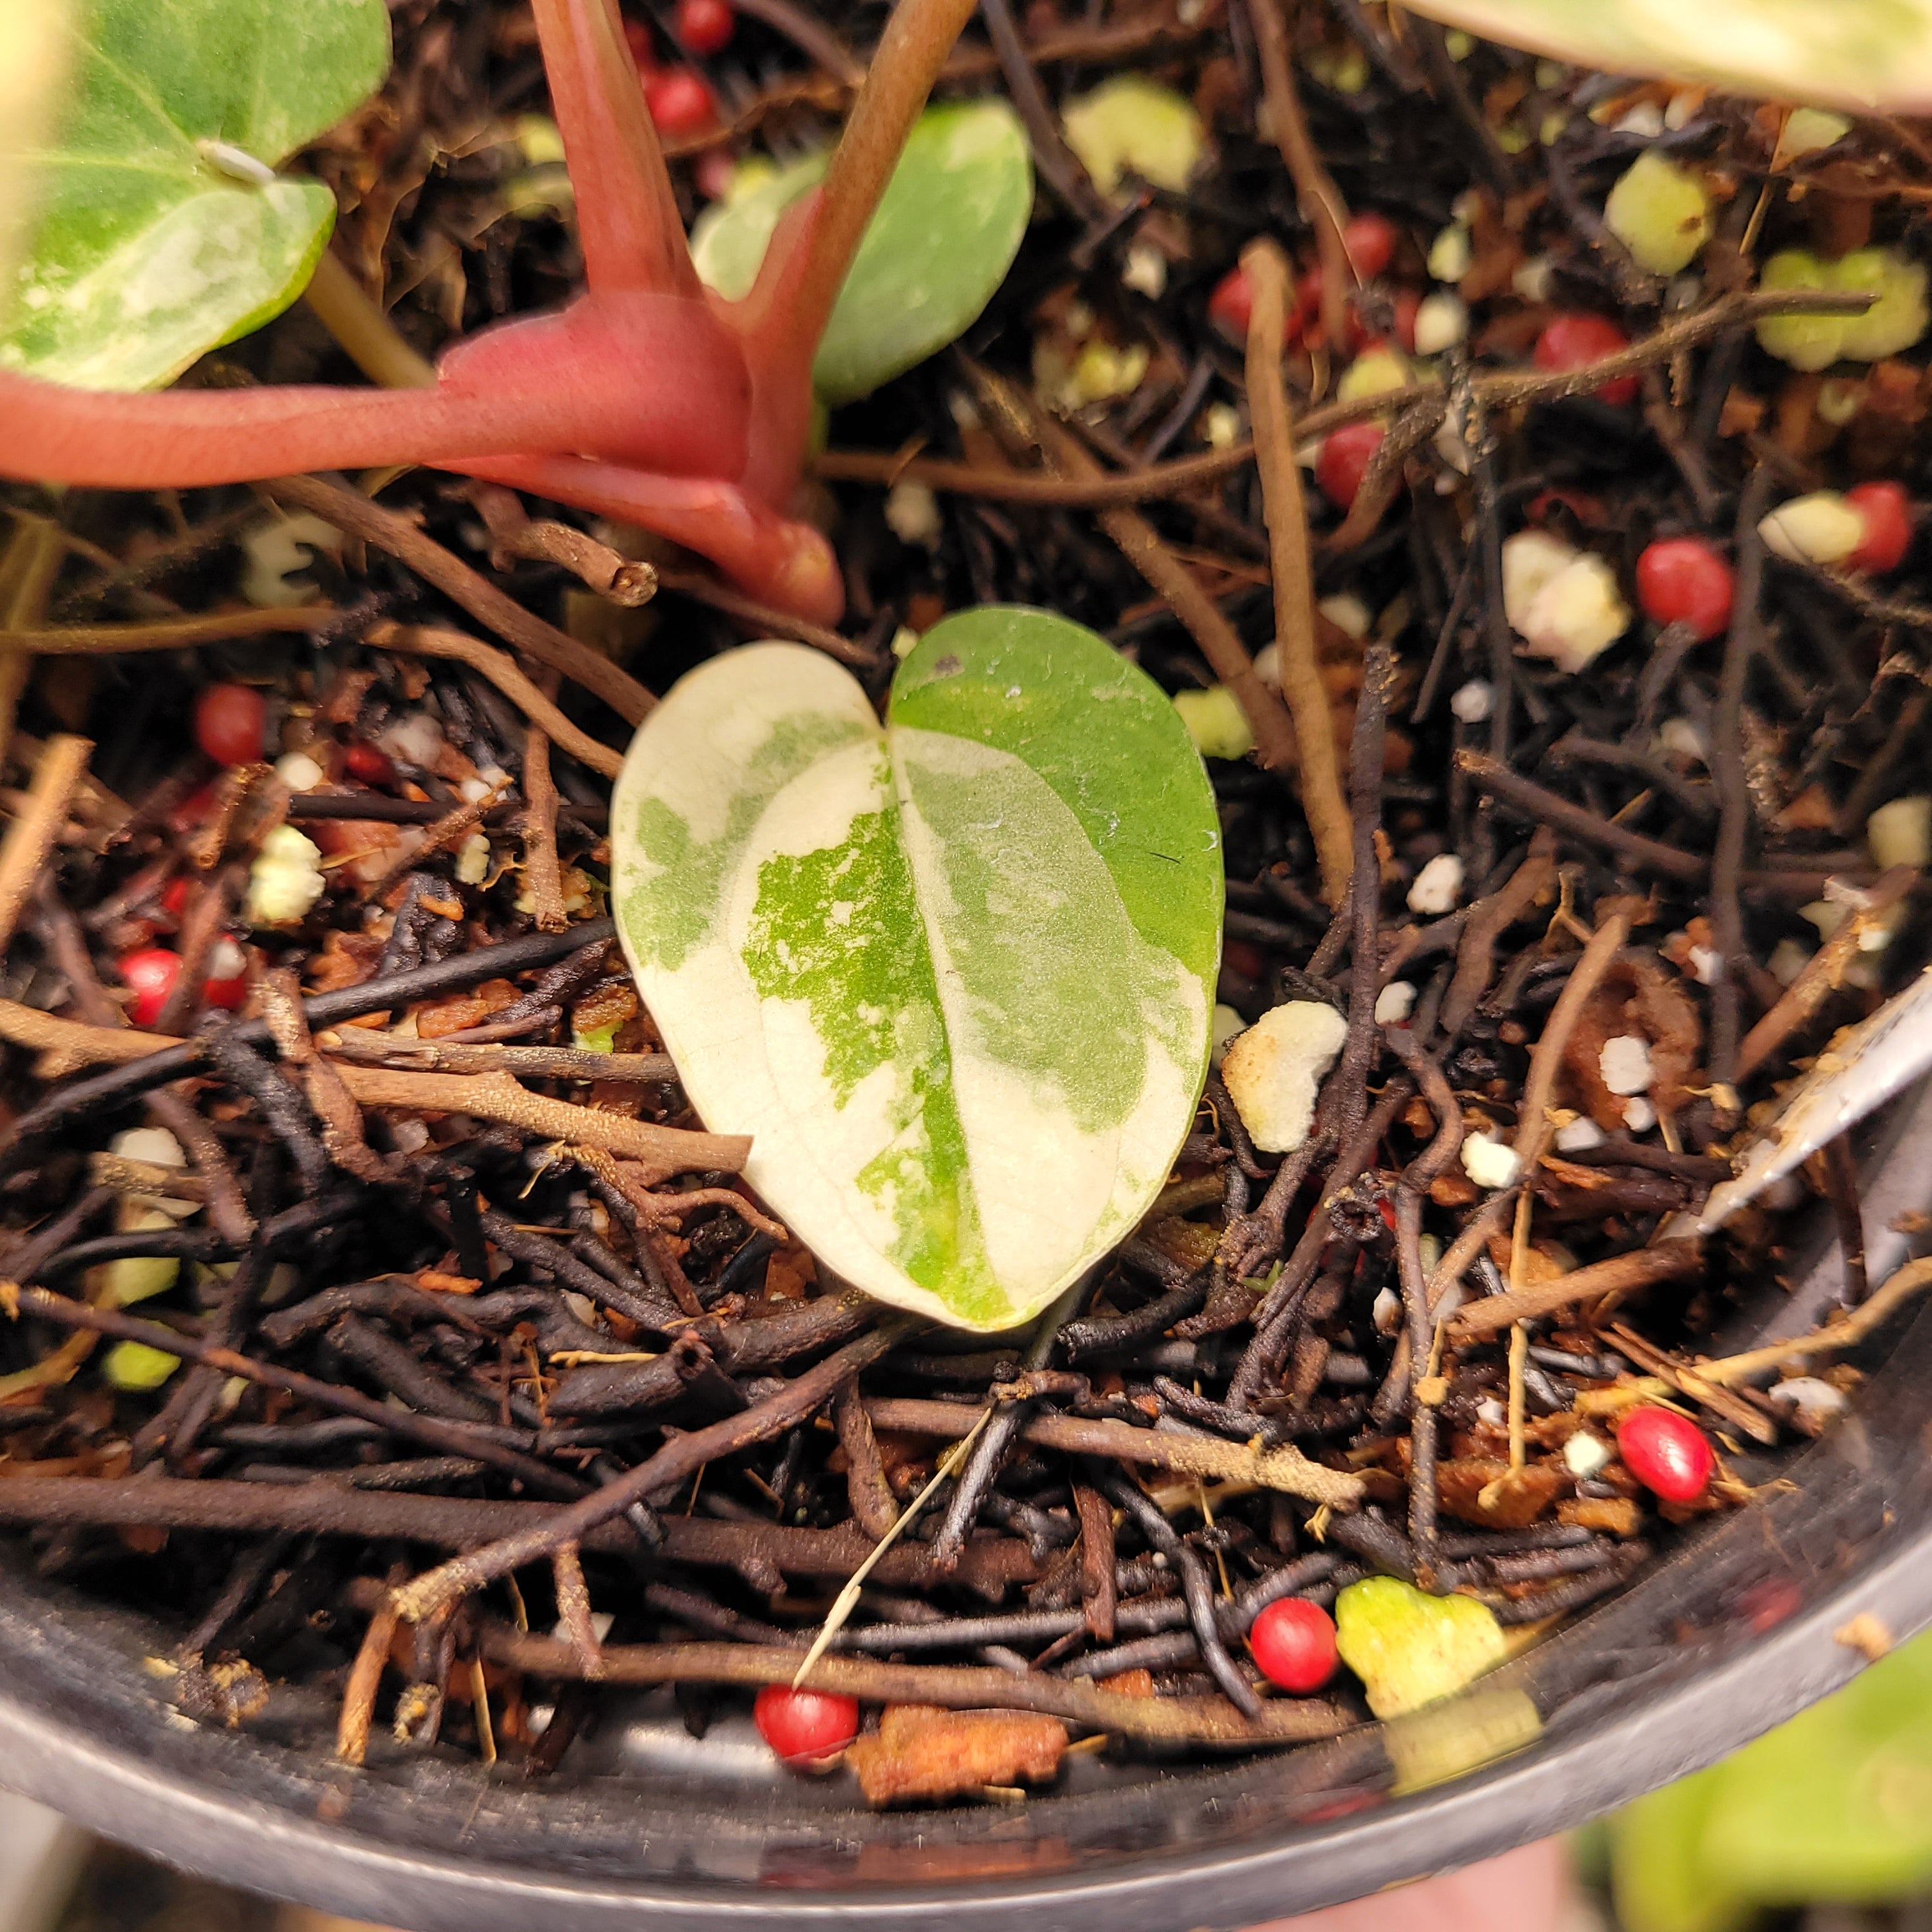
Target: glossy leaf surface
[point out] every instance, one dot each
(953, 975)
(152, 245)
(945, 234)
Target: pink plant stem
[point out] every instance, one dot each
(798, 285)
(627, 217)
(597, 378)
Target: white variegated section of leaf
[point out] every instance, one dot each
(896, 960)
(1863, 54)
(1072, 1039)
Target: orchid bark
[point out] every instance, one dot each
(647, 398)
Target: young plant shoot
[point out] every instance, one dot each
(954, 976)
(648, 398)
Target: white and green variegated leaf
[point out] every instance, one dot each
(152, 241)
(952, 974)
(1863, 55)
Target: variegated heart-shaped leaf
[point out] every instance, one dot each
(160, 232)
(953, 975)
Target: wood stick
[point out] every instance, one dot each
(493, 1095)
(1665, 1262)
(1287, 517)
(1167, 1720)
(1533, 1128)
(1824, 972)
(166, 634)
(652, 1480)
(1536, 802)
(760, 620)
(1727, 1371)
(429, 641)
(371, 1048)
(1177, 477)
(1320, 200)
(989, 1565)
(29, 565)
(365, 1679)
(541, 868)
(447, 1438)
(439, 835)
(597, 566)
(30, 837)
(1286, 1469)
(496, 1097)
(353, 514)
(1141, 545)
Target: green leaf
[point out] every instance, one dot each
(944, 235)
(1835, 1805)
(729, 239)
(952, 976)
(1661, 1882)
(1859, 54)
(148, 252)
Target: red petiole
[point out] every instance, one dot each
(647, 398)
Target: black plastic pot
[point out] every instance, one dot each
(1736, 1631)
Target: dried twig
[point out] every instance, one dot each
(1847, 1332)
(760, 620)
(496, 1097)
(1538, 803)
(540, 870)
(429, 641)
(1301, 685)
(1533, 1123)
(166, 634)
(1287, 1469)
(1320, 201)
(1741, 646)
(371, 1048)
(1204, 1721)
(356, 515)
(513, 534)
(651, 1481)
(1666, 1261)
(29, 564)
(1141, 545)
(1824, 972)
(365, 1679)
(448, 1438)
(31, 836)
(439, 836)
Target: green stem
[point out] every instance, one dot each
(363, 332)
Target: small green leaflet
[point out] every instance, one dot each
(1834, 1806)
(944, 235)
(148, 253)
(954, 976)
(1862, 55)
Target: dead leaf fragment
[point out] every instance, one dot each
(920, 1751)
